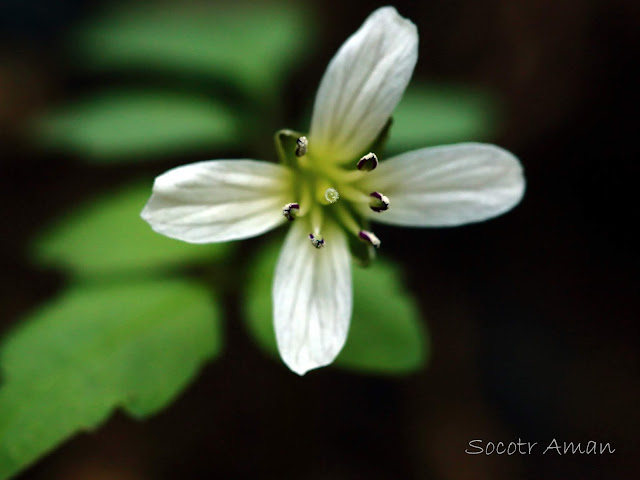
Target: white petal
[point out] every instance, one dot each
(312, 298)
(219, 200)
(362, 85)
(446, 186)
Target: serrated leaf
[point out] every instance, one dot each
(251, 45)
(387, 335)
(117, 125)
(69, 364)
(432, 114)
(107, 236)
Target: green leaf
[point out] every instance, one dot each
(257, 303)
(113, 126)
(108, 236)
(250, 44)
(387, 334)
(69, 364)
(431, 114)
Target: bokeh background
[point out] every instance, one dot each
(531, 317)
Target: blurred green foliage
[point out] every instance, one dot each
(247, 48)
(107, 236)
(70, 363)
(387, 334)
(431, 114)
(251, 45)
(116, 125)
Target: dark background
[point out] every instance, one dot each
(532, 315)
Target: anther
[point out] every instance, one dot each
(379, 202)
(369, 237)
(368, 162)
(290, 210)
(301, 146)
(317, 242)
(331, 195)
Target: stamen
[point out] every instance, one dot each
(317, 219)
(331, 195)
(353, 194)
(368, 162)
(370, 237)
(347, 220)
(301, 148)
(316, 241)
(379, 202)
(290, 211)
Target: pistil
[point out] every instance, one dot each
(331, 195)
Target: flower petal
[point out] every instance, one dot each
(362, 85)
(447, 186)
(312, 299)
(218, 200)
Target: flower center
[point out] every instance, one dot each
(325, 190)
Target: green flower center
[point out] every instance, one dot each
(324, 191)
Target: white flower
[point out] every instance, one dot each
(330, 190)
